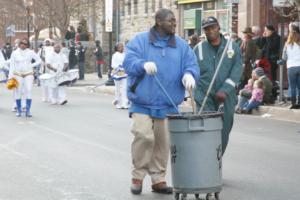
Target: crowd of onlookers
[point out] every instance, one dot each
(262, 54)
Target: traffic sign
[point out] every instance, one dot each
(10, 31)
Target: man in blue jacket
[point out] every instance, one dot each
(224, 89)
(157, 54)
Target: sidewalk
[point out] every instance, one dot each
(278, 111)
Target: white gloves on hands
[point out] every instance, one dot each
(188, 81)
(150, 68)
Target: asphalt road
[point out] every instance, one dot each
(81, 151)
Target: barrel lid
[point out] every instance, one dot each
(190, 115)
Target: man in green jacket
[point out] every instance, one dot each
(223, 92)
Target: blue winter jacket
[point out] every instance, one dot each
(173, 58)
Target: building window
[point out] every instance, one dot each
(146, 6)
(128, 7)
(160, 4)
(122, 8)
(153, 6)
(135, 7)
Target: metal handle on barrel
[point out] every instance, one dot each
(166, 93)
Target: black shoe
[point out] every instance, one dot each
(294, 106)
(162, 188)
(64, 102)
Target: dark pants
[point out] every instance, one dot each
(81, 70)
(274, 67)
(99, 70)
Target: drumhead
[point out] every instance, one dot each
(46, 76)
(73, 70)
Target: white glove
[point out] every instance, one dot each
(188, 81)
(150, 68)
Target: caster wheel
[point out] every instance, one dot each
(184, 196)
(197, 196)
(176, 196)
(209, 196)
(217, 195)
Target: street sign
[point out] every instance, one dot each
(108, 15)
(10, 31)
(283, 3)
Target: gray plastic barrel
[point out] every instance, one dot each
(196, 152)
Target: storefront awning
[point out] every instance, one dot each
(191, 1)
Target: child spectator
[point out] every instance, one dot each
(256, 98)
(244, 95)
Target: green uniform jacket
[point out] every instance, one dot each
(227, 80)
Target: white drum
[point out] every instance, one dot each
(48, 80)
(62, 79)
(73, 74)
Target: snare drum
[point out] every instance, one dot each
(73, 74)
(48, 80)
(62, 79)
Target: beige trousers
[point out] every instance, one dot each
(150, 147)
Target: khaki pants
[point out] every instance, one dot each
(150, 147)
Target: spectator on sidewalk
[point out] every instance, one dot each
(81, 60)
(161, 55)
(120, 77)
(256, 97)
(73, 55)
(244, 95)
(268, 88)
(99, 58)
(257, 38)
(271, 49)
(248, 49)
(194, 40)
(291, 54)
(70, 34)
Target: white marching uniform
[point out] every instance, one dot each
(57, 94)
(21, 68)
(44, 52)
(120, 79)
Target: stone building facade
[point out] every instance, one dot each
(130, 17)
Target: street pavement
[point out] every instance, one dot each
(81, 151)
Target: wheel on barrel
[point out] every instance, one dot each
(210, 196)
(217, 195)
(176, 196)
(184, 196)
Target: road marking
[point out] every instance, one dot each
(77, 139)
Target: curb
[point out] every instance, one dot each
(272, 112)
(279, 113)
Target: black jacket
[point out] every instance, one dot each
(271, 47)
(98, 53)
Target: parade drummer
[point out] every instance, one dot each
(57, 63)
(22, 63)
(120, 77)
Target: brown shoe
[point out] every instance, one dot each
(162, 188)
(136, 186)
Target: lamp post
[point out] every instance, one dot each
(28, 4)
